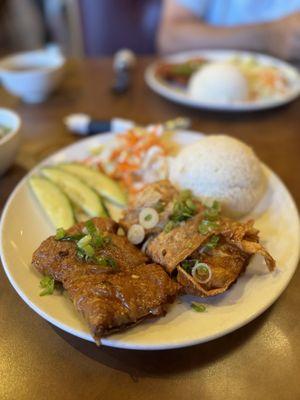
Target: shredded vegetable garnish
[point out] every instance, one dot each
(198, 307)
(136, 157)
(47, 284)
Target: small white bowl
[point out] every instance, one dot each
(32, 75)
(9, 143)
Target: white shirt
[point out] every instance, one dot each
(235, 12)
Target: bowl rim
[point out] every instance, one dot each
(13, 132)
(10, 58)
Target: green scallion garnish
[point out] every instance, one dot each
(159, 206)
(212, 213)
(198, 307)
(91, 228)
(60, 234)
(206, 226)
(85, 240)
(148, 217)
(211, 244)
(106, 261)
(169, 226)
(47, 284)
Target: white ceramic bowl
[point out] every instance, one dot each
(9, 143)
(32, 75)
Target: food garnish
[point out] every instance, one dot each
(136, 157)
(211, 244)
(148, 218)
(78, 192)
(198, 307)
(87, 243)
(54, 202)
(160, 206)
(184, 208)
(201, 272)
(136, 234)
(47, 284)
(213, 212)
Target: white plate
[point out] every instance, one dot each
(24, 226)
(179, 95)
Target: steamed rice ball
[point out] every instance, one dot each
(218, 83)
(221, 168)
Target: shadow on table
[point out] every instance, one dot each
(142, 363)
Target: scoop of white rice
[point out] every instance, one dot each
(218, 82)
(221, 168)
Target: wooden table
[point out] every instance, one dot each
(38, 361)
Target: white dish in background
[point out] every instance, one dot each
(24, 226)
(179, 95)
(32, 75)
(9, 143)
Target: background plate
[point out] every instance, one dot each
(24, 226)
(180, 96)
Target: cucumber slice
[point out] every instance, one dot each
(114, 211)
(101, 183)
(79, 193)
(53, 201)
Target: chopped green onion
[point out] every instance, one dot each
(211, 244)
(198, 307)
(60, 234)
(212, 213)
(47, 284)
(187, 265)
(169, 226)
(185, 195)
(191, 205)
(206, 226)
(73, 238)
(106, 261)
(84, 241)
(201, 272)
(148, 217)
(88, 250)
(91, 228)
(159, 206)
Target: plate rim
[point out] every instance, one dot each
(119, 343)
(168, 93)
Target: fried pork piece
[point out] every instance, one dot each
(111, 302)
(158, 195)
(109, 299)
(227, 262)
(238, 241)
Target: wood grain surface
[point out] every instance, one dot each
(38, 361)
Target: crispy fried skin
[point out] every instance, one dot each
(109, 300)
(239, 241)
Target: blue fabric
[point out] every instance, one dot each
(235, 12)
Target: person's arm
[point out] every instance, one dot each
(181, 30)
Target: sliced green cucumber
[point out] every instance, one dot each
(53, 201)
(101, 183)
(80, 194)
(114, 211)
